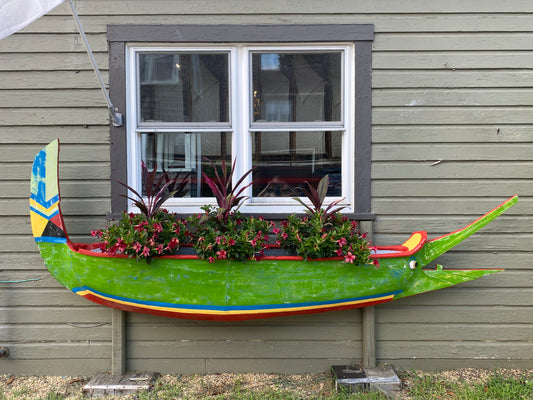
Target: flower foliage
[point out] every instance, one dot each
(231, 236)
(323, 232)
(314, 236)
(142, 237)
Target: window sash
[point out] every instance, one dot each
(240, 119)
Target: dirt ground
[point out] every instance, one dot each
(202, 386)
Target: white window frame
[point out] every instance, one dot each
(240, 121)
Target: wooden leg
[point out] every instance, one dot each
(118, 342)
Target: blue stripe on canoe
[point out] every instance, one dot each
(50, 239)
(43, 214)
(39, 198)
(232, 308)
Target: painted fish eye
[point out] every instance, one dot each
(413, 264)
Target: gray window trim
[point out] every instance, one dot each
(361, 34)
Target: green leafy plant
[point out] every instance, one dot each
(154, 232)
(323, 232)
(222, 232)
(142, 237)
(235, 237)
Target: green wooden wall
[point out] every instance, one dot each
(452, 138)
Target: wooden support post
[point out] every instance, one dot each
(118, 342)
(369, 337)
(368, 323)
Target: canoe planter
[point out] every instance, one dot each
(184, 286)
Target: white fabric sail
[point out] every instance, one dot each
(16, 14)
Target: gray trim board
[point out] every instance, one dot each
(239, 33)
(361, 34)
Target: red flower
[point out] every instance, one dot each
(231, 242)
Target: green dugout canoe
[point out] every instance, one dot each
(184, 286)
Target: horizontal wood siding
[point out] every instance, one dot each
(452, 138)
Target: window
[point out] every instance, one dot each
(291, 101)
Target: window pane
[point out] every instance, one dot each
(297, 87)
(285, 160)
(184, 87)
(183, 154)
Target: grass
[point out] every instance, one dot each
(450, 385)
(496, 386)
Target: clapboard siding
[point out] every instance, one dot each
(452, 138)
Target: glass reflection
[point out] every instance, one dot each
(184, 87)
(184, 154)
(296, 87)
(285, 160)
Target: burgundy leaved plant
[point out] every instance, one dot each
(316, 196)
(228, 196)
(157, 192)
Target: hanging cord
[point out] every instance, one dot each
(116, 117)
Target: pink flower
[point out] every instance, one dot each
(137, 247)
(159, 249)
(339, 252)
(253, 242)
(376, 262)
(349, 257)
(96, 233)
(218, 239)
(221, 254)
(211, 259)
(363, 235)
(146, 251)
(275, 231)
(121, 246)
(284, 235)
(140, 227)
(157, 227)
(174, 242)
(325, 235)
(342, 242)
(231, 242)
